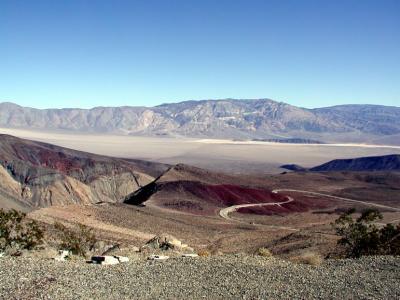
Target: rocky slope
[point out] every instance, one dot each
(243, 119)
(35, 174)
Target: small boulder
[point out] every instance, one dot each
(190, 255)
(122, 259)
(157, 257)
(108, 259)
(105, 260)
(63, 255)
(165, 242)
(134, 249)
(153, 243)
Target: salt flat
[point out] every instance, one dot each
(222, 155)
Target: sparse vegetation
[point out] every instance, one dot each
(79, 240)
(264, 252)
(308, 258)
(363, 237)
(203, 253)
(17, 232)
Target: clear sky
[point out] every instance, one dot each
(109, 53)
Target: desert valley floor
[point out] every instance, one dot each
(240, 157)
(200, 206)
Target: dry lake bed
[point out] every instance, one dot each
(218, 155)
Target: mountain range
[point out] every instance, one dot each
(230, 118)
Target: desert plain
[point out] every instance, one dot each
(238, 157)
(187, 202)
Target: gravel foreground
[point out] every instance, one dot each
(219, 277)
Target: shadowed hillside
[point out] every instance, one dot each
(372, 163)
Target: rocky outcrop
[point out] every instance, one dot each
(166, 242)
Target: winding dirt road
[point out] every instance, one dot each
(339, 198)
(224, 213)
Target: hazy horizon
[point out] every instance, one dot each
(188, 100)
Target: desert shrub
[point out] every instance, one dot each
(17, 232)
(362, 237)
(78, 240)
(264, 252)
(203, 253)
(308, 258)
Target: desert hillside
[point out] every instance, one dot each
(36, 174)
(373, 163)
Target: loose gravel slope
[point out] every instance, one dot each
(222, 277)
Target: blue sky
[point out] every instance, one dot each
(111, 53)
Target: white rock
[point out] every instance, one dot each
(1, 254)
(175, 243)
(105, 260)
(158, 257)
(190, 255)
(108, 259)
(122, 258)
(189, 249)
(63, 255)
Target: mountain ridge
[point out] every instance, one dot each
(369, 163)
(201, 101)
(227, 118)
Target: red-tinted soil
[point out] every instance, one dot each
(222, 194)
(85, 167)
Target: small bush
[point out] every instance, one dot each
(16, 232)
(264, 252)
(308, 258)
(362, 237)
(203, 253)
(79, 240)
